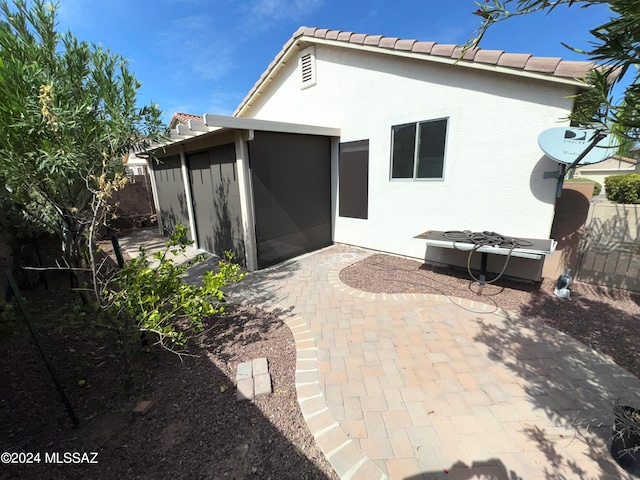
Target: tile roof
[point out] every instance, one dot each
(552, 67)
(183, 118)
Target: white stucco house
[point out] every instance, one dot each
(418, 139)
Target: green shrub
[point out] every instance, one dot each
(597, 186)
(157, 302)
(623, 188)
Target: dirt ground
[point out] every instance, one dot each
(195, 427)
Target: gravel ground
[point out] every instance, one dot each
(607, 320)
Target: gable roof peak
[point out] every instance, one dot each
(553, 68)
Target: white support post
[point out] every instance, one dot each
(188, 197)
(335, 173)
(246, 197)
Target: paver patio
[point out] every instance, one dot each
(426, 387)
(412, 386)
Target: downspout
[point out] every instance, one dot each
(188, 196)
(243, 168)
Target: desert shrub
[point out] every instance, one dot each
(156, 301)
(597, 186)
(623, 188)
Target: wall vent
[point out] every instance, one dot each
(307, 64)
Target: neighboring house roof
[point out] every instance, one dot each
(550, 68)
(616, 162)
(182, 118)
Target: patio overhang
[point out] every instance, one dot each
(213, 125)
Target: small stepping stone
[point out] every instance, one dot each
(245, 390)
(253, 379)
(260, 366)
(245, 370)
(262, 384)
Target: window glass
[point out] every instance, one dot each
(431, 149)
(424, 159)
(404, 147)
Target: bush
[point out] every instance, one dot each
(597, 186)
(157, 302)
(623, 188)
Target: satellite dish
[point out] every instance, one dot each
(566, 144)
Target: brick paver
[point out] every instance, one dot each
(412, 385)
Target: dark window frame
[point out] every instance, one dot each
(402, 167)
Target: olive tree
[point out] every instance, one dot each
(68, 116)
(615, 46)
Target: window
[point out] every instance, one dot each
(417, 149)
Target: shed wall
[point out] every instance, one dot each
(172, 201)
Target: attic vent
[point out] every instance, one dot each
(307, 63)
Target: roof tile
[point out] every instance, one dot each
(182, 118)
(388, 42)
(344, 36)
(332, 34)
(406, 45)
(488, 56)
(373, 40)
(514, 60)
(299, 32)
(469, 54)
(542, 64)
(423, 47)
(358, 38)
(443, 49)
(321, 33)
(573, 69)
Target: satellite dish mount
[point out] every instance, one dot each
(571, 147)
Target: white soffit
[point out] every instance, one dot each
(216, 124)
(241, 123)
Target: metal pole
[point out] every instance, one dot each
(597, 137)
(59, 388)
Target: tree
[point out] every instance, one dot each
(615, 47)
(68, 116)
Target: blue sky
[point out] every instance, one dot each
(203, 56)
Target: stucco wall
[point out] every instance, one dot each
(493, 176)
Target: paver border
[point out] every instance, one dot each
(348, 461)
